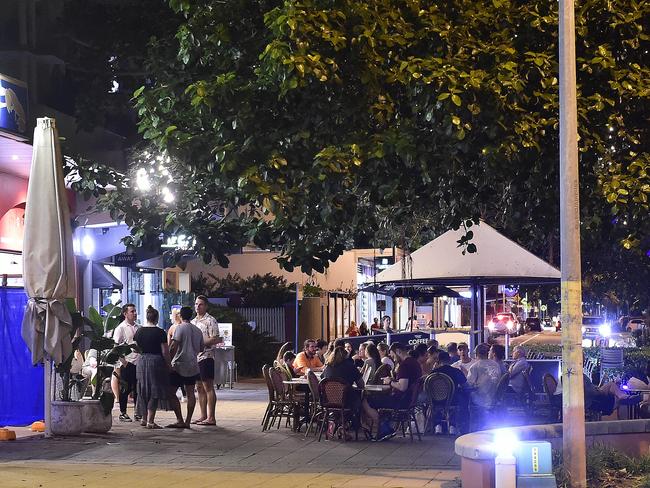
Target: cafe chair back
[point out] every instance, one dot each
(439, 390)
(316, 413)
(405, 417)
(333, 394)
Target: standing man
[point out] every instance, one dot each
(124, 379)
(185, 347)
(210, 329)
(307, 359)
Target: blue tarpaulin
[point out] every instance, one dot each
(21, 384)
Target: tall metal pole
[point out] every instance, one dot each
(573, 409)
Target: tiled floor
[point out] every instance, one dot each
(235, 453)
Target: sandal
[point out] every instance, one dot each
(205, 422)
(198, 421)
(177, 425)
(153, 425)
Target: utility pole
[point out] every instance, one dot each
(573, 427)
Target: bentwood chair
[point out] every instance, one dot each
(333, 394)
(316, 411)
(405, 417)
(439, 389)
(283, 405)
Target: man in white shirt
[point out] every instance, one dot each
(124, 372)
(210, 329)
(465, 362)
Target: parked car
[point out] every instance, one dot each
(636, 323)
(505, 323)
(533, 324)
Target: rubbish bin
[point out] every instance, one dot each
(225, 368)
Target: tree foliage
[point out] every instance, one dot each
(311, 126)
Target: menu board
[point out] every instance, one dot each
(225, 331)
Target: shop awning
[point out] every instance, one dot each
(104, 279)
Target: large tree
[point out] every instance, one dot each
(308, 126)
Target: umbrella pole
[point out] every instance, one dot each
(48, 395)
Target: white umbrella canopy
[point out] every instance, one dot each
(48, 258)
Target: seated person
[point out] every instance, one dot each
(604, 399)
(452, 349)
(419, 353)
(383, 349)
(307, 359)
(498, 354)
(461, 398)
(516, 370)
(483, 376)
(287, 365)
(373, 360)
(465, 361)
(445, 367)
(408, 375)
(338, 366)
(360, 357)
(432, 360)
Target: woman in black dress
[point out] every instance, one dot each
(152, 369)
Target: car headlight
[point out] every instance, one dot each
(511, 324)
(605, 330)
(491, 325)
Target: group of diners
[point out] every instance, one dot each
(474, 379)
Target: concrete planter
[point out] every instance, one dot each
(93, 417)
(66, 418)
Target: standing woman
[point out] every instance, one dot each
(152, 369)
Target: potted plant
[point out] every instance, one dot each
(65, 411)
(97, 411)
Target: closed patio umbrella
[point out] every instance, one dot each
(48, 258)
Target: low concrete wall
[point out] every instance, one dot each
(477, 452)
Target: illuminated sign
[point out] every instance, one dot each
(14, 106)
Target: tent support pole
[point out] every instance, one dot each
(48, 395)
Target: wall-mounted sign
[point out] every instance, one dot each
(381, 305)
(14, 106)
(124, 260)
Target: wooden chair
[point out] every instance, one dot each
(439, 389)
(283, 405)
(316, 411)
(333, 394)
(270, 405)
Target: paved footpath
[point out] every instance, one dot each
(235, 453)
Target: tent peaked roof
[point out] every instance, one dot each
(497, 260)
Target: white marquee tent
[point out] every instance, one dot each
(498, 260)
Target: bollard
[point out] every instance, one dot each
(505, 471)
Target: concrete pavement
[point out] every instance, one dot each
(235, 453)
